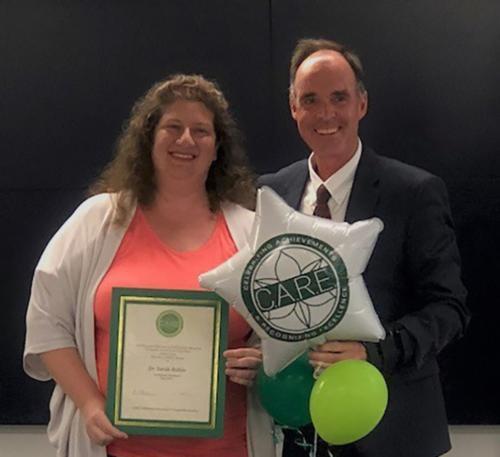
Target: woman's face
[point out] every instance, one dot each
(184, 142)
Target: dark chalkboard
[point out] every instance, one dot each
(70, 72)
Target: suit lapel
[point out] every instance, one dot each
(365, 188)
(296, 185)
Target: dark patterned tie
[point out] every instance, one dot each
(322, 210)
(322, 197)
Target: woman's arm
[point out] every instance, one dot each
(68, 371)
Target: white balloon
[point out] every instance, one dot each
(299, 281)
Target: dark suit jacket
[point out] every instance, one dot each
(414, 281)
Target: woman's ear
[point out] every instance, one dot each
(217, 144)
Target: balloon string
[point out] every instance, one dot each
(318, 369)
(278, 439)
(278, 436)
(315, 447)
(302, 442)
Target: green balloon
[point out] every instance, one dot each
(347, 401)
(285, 396)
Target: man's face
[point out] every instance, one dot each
(327, 105)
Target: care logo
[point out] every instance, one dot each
(295, 287)
(169, 323)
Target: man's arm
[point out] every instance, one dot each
(433, 263)
(434, 272)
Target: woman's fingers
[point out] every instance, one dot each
(245, 362)
(100, 429)
(242, 364)
(335, 351)
(243, 358)
(242, 381)
(240, 353)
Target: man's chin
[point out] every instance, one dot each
(330, 149)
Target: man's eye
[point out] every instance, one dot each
(308, 101)
(340, 97)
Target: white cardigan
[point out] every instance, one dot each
(61, 314)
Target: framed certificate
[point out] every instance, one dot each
(166, 375)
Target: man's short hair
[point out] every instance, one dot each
(307, 46)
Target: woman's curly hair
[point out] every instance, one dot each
(131, 172)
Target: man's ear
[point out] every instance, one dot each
(293, 106)
(363, 108)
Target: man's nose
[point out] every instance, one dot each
(186, 138)
(326, 111)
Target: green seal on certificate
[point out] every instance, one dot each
(169, 323)
(166, 370)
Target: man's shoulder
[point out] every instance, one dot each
(284, 175)
(392, 171)
(397, 173)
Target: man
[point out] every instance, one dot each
(414, 273)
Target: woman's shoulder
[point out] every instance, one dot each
(98, 204)
(234, 208)
(239, 221)
(237, 214)
(94, 210)
(83, 226)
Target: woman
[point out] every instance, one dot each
(165, 210)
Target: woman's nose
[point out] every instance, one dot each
(186, 138)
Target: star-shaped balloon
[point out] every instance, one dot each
(298, 282)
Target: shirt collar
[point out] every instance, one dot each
(339, 184)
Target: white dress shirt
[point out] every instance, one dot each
(339, 185)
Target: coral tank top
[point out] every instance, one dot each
(144, 261)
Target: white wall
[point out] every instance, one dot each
(27, 441)
(477, 441)
(24, 441)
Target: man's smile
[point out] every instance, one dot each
(329, 131)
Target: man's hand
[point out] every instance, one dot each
(242, 364)
(99, 428)
(334, 351)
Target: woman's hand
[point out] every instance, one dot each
(242, 364)
(67, 368)
(99, 427)
(334, 351)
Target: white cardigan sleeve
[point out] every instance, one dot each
(239, 221)
(52, 311)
